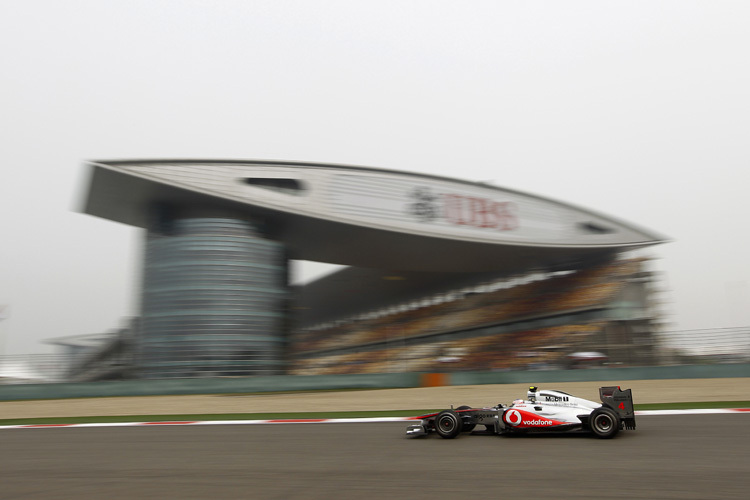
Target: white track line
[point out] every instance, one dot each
(323, 420)
(693, 412)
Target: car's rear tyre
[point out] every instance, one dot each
(465, 426)
(604, 423)
(448, 424)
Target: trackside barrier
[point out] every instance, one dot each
(286, 383)
(238, 385)
(434, 379)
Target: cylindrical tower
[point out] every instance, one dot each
(213, 299)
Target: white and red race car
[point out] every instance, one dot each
(542, 410)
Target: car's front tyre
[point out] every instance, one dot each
(448, 424)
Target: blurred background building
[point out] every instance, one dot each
(441, 275)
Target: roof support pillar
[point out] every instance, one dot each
(213, 298)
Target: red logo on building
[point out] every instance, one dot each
(462, 210)
(479, 212)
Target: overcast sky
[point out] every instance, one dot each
(637, 109)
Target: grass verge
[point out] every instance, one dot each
(313, 415)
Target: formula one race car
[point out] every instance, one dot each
(543, 410)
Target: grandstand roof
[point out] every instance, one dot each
(424, 226)
(86, 340)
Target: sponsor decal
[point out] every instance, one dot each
(425, 206)
(537, 422)
(517, 418)
(461, 210)
(484, 415)
(513, 417)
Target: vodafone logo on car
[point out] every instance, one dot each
(516, 418)
(513, 417)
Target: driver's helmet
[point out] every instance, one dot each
(531, 395)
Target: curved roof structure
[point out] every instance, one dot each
(369, 217)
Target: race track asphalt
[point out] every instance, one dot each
(684, 456)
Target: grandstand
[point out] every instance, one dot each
(106, 356)
(441, 273)
(534, 325)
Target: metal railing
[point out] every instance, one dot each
(716, 345)
(33, 368)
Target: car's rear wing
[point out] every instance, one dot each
(620, 401)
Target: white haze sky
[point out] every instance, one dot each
(637, 109)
